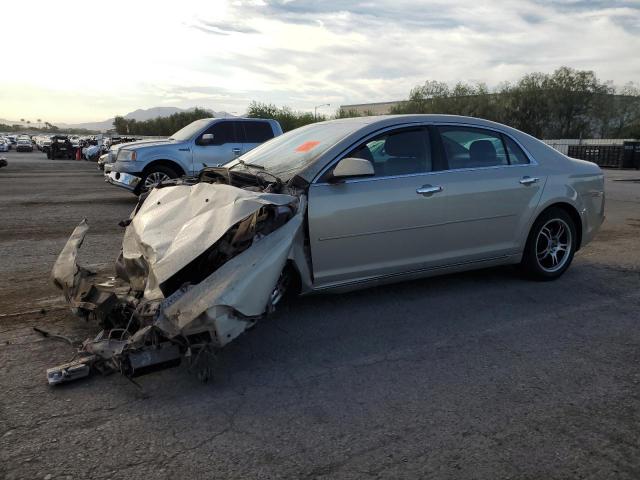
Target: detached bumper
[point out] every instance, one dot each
(123, 180)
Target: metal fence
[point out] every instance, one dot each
(606, 152)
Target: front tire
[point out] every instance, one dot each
(550, 246)
(155, 175)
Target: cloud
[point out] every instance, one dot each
(404, 41)
(223, 28)
(305, 52)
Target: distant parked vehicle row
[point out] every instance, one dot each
(22, 143)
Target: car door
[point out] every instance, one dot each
(255, 132)
(491, 188)
(381, 225)
(226, 145)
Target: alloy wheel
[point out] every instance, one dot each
(280, 289)
(553, 245)
(154, 179)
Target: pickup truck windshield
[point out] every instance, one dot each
(190, 130)
(285, 156)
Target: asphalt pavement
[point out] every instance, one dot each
(481, 375)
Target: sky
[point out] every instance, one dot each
(74, 61)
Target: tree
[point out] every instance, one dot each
(524, 105)
(351, 113)
(567, 103)
(160, 126)
(52, 129)
(287, 118)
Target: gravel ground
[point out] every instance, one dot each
(479, 375)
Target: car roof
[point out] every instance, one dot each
(408, 118)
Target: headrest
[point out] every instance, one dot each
(482, 151)
(409, 144)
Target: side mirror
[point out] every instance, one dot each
(353, 167)
(207, 139)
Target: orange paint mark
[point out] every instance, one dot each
(306, 146)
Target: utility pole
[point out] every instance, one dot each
(315, 110)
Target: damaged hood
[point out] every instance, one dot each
(243, 284)
(176, 224)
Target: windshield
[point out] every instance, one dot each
(287, 155)
(190, 130)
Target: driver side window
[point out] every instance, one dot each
(394, 153)
(223, 132)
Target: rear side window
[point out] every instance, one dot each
(400, 152)
(516, 155)
(257, 132)
(468, 147)
(223, 132)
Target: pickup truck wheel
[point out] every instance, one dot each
(155, 175)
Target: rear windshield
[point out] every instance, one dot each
(287, 155)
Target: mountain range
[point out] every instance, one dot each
(140, 115)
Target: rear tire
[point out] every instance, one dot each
(550, 246)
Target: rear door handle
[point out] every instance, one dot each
(236, 150)
(528, 180)
(428, 190)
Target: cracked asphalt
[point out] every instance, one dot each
(479, 375)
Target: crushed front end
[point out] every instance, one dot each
(202, 260)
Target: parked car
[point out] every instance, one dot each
(12, 139)
(211, 141)
(331, 206)
(59, 147)
(92, 152)
(24, 145)
(4, 147)
(102, 159)
(44, 143)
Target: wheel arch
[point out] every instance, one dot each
(296, 277)
(165, 163)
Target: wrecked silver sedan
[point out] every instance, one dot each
(333, 205)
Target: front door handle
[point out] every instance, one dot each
(428, 190)
(528, 180)
(236, 151)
